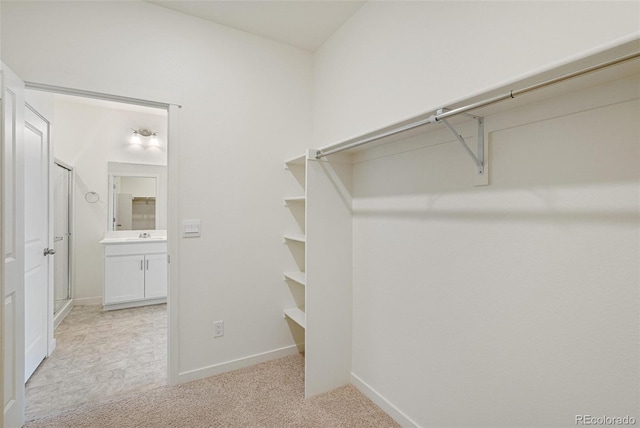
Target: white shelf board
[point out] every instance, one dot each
(295, 199)
(295, 237)
(299, 277)
(297, 316)
(297, 161)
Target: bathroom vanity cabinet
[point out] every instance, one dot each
(135, 272)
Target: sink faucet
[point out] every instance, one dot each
(144, 235)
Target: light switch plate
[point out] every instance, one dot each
(190, 228)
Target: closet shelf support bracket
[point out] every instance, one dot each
(478, 157)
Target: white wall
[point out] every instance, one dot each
(500, 306)
(470, 304)
(394, 60)
(246, 104)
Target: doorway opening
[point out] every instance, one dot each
(102, 350)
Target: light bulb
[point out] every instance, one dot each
(154, 140)
(135, 138)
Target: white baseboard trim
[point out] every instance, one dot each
(51, 348)
(139, 303)
(83, 301)
(391, 410)
(204, 372)
(62, 313)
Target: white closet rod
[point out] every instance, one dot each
(320, 153)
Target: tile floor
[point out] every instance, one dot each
(100, 355)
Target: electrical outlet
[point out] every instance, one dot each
(218, 328)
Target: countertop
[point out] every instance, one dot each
(133, 240)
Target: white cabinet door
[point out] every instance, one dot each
(156, 276)
(124, 278)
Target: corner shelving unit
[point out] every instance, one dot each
(297, 238)
(321, 246)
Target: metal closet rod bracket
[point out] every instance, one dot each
(478, 157)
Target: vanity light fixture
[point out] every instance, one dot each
(135, 138)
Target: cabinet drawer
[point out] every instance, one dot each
(135, 248)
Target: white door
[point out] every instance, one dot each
(12, 244)
(37, 240)
(155, 281)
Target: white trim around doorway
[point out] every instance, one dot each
(173, 229)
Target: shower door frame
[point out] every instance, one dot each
(58, 317)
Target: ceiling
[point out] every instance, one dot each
(305, 24)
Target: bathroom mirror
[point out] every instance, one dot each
(135, 203)
(136, 197)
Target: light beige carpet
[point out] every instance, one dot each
(270, 394)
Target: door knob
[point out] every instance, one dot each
(49, 251)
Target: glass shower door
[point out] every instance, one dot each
(61, 236)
